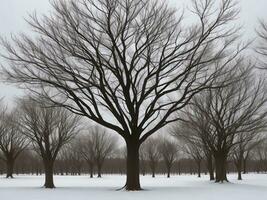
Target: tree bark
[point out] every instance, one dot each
(49, 182)
(9, 168)
(132, 172)
(220, 166)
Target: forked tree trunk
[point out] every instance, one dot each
(49, 182)
(220, 167)
(210, 167)
(132, 168)
(9, 167)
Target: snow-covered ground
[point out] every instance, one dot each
(254, 186)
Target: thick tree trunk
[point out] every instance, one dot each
(49, 182)
(220, 166)
(9, 168)
(210, 167)
(132, 180)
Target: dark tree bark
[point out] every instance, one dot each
(9, 167)
(49, 180)
(132, 171)
(199, 169)
(220, 167)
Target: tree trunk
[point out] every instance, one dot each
(220, 165)
(168, 171)
(91, 168)
(153, 172)
(210, 167)
(132, 173)
(244, 165)
(198, 168)
(49, 182)
(238, 165)
(9, 168)
(99, 167)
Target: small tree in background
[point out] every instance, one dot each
(169, 153)
(12, 142)
(48, 130)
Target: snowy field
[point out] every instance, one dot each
(177, 187)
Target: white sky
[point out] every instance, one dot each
(13, 12)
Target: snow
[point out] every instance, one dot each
(183, 187)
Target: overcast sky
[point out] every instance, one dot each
(13, 13)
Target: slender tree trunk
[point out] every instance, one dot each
(244, 165)
(91, 168)
(210, 167)
(9, 167)
(198, 168)
(132, 180)
(238, 165)
(153, 171)
(99, 167)
(220, 166)
(168, 171)
(49, 182)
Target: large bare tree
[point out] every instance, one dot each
(135, 62)
(48, 129)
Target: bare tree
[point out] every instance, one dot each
(246, 143)
(48, 129)
(227, 112)
(152, 154)
(142, 158)
(12, 143)
(87, 151)
(169, 153)
(136, 62)
(103, 145)
(192, 144)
